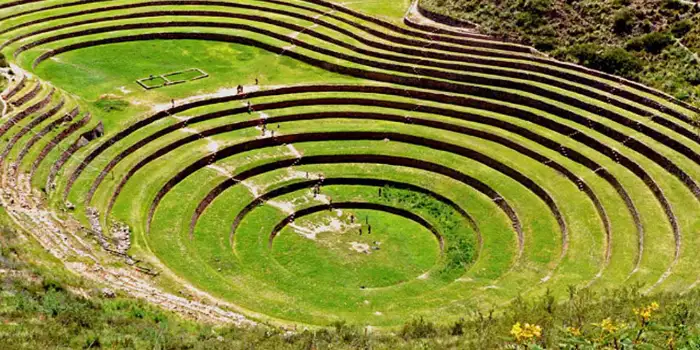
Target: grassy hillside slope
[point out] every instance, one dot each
(41, 307)
(655, 42)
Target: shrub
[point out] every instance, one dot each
(619, 3)
(545, 44)
(619, 61)
(692, 75)
(536, 7)
(111, 104)
(584, 53)
(623, 21)
(53, 302)
(532, 13)
(635, 44)
(673, 5)
(657, 41)
(610, 60)
(680, 29)
(418, 328)
(653, 42)
(458, 327)
(3, 61)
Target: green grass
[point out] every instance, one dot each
(180, 199)
(228, 65)
(110, 105)
(395, 251)
(392, 10)
(398, 272)
(153, 82)
(190, 74)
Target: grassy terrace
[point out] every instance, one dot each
(483, 169)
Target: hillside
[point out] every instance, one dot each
(41, 307)
(655, 42)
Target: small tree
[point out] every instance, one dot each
(623, 21)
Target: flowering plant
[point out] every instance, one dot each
(526, 334)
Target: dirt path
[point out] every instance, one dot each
(5, 73)
(4, 108)
(691, 52)
(415, 16)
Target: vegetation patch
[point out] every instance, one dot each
(461, 249)
(111, 104)
(605, 29)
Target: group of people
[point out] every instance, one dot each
(369, 227)
(317, 187)
(263, 124)
(239, 91)
(239, 88)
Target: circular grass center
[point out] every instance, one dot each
(331, 248)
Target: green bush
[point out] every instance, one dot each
(623, 21)
(680, 29)
(111, 104)
(692, 76)
(674, 5)
(635, 44)
(531, 14)
(545, 44)
(3, 61)
(653, 43)
(418, 329)
(611, 60)
(536, 7)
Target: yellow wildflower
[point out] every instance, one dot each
(516, 331)
(645, 313)
(575, 331)
(525, 333)
(608, 326)
(534, 330)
